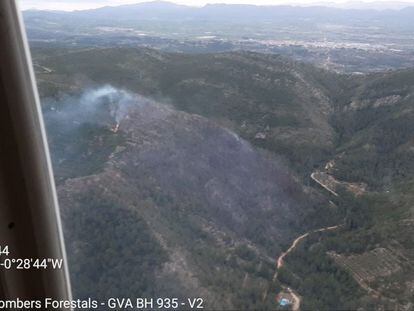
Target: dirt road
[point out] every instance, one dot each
(280, 263)
(296, 299)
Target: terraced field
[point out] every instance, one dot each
(385, 274)
(366, 267)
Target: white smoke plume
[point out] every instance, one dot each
(105, 105)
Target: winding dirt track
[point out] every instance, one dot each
(280, 262)
(296, 299)
(296, 242)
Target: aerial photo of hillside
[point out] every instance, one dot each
(258, 157)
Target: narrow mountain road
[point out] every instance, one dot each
(280, 263)
(296, 299)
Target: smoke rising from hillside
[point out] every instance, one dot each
(105, 106)
(78, 126)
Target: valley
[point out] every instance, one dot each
(207, 177)
(351, 41)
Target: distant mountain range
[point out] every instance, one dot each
(161, 10)
(371, 5)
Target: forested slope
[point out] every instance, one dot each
(292, 118)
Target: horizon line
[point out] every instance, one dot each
(319, 3)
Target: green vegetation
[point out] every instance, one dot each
(247, 92)
(305, 115)
(112, 252)
(322, 283)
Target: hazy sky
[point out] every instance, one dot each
(87, 4)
